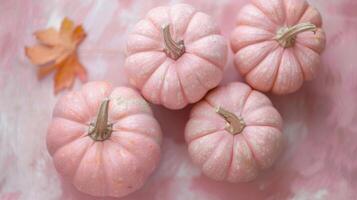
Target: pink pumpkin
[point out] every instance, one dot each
(175, 55)
(105, 140)
(277, 44)
(234, 133)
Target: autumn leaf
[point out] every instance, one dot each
(57, 52)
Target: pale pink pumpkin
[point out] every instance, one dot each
(175, 55)
(234, 133)
(105, 140)
(277, 44)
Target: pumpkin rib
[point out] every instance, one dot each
(299, 48)
(145, 36)
(234, 154)
(201, 56)
(205, 134)
(267, 14)
(289, 51)
(162, 83)
(239, 21)
(69, 109)
(277, 73)
(252, 42)
(304, 45)
(209, 157)
(158, 48)
(245, 99)
(270, 65)
(259, 105)
(208, 61)
(301, 68)
(133, 114)
(190, 18)
(258, 109)
(156, 28)
(251, 150)
(99, 169)
(230, 165)
(153, 71)
(81, 158)
(199, 80)
(258, 63)
(181, 73)
(106, 175)
(218, 141)
(204, 35)
(302, 13)
(268, 51)
(148, 51)
(205, 116)
(184, 95)
(207, 65)
(72, 121)
(251, 147)
(117, 140)
(113, 139)
(137, 30)
(86, 105)
(73, 139)
(137, 132)
(147, 17)
(152, 79)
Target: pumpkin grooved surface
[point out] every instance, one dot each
(104, 166)
(292, 23)
(191, 38)
(214, 149)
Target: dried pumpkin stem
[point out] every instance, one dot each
(101, 130)
(172, 49)
(235, 124)
(286, 36)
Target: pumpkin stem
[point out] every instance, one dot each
(235, 124)
(286, 35)
(172, 49)
(101, 130)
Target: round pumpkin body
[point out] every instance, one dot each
(175, 55)
(233, 133)
(277, 44)
(105, 140)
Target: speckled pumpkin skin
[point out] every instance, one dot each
(175, 83)
(114, 167)
(265, 64)
(234, 158)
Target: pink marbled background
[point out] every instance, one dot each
(319, 161)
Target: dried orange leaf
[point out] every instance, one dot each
(40, 54)
(48, 37)
(57, 51)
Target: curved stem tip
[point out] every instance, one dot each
(235, 124)
(172, 49)
(286, 35)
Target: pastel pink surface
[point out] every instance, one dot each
(318, 161)
(116, 166)
(234, 157)
(175, 83)
(265, 64)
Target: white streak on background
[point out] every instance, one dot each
(98, 18)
